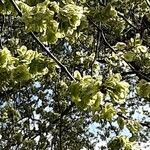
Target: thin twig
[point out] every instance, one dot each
(128, 21)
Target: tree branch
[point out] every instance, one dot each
(138, 73)
(51, 56)
(122, 15)
(148, 2)
(128, 21)
(42, 45)
(144, 124)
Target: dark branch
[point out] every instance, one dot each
(148, 2)
(122, 16)
(144, 124)
(43, 47)
(138, 73)
(128, 21)
(51, 56)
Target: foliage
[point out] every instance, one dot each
(65, 65)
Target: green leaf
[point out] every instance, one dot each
(143, 88)
(121, 122)
(21, 73)
(129, 56)
(120, 142)
(108, 112)
(133, 126)
(141, 48)
(118, 90)
(120, 46)
(77, 75)
(5, 57)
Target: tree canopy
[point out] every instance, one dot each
(66, 65)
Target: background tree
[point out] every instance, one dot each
(65, 65)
